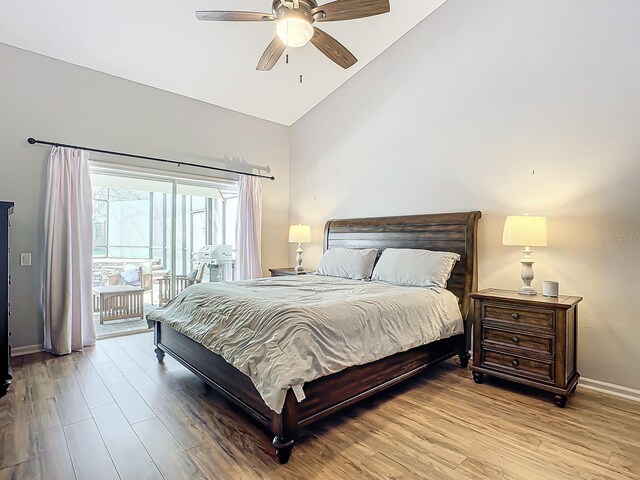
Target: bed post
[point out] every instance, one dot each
(470, 284)
(156, 340)
(284, 427)
(464, 356)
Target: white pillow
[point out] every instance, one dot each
(420, 268)
(348, 263)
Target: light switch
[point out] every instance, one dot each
(25, 259)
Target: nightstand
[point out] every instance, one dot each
(283, 272)
(527, 339)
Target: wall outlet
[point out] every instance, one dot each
(25, 259)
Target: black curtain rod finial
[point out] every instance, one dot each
(31, 140)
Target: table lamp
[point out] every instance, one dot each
(525, 231)
(299, 234)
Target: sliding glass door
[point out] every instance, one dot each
(153, 237)
(133, 248)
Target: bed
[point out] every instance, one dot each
(453, 232)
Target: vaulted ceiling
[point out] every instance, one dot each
(161, 44)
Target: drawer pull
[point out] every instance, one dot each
(515, 339)
(515, 316)
(515, 362)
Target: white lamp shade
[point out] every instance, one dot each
(299, 234)
(525, 231)
(294, 30)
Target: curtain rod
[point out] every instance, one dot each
(33, 141)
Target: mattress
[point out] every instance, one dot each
(285, 331)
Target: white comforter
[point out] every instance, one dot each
(284, 331)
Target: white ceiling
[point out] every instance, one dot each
(161, 44)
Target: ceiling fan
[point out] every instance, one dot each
(295, 28)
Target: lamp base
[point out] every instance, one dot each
(299, 258)
(527, 273)
(527, 291)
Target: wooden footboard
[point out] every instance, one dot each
(325, 395)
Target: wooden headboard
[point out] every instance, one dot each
(450, 232)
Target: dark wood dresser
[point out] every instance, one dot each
(6, 209)
(527, 339)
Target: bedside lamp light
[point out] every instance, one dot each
(525, 231)
(299, 234)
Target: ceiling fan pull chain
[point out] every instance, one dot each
(300, 78)
(287, 58)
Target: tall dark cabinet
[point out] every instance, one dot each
(6, 209)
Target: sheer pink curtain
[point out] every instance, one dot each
(68, 253)
(248, 228)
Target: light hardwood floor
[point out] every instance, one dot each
(114, 412)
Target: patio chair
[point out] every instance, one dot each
(133, 277)
(182, 282)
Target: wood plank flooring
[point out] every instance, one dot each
(113, 412)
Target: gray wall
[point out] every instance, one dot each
(504, 106)
(53, 100)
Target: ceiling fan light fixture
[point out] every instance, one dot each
(294, 30)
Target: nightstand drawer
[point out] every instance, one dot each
(518, 365)
(520, 316)
(522, 343)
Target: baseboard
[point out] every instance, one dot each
(26, 350)
(610, 388)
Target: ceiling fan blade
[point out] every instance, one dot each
(222, 16)
(271, 55)
(332, 48)
(351, 9)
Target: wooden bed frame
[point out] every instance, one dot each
(453, 232)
